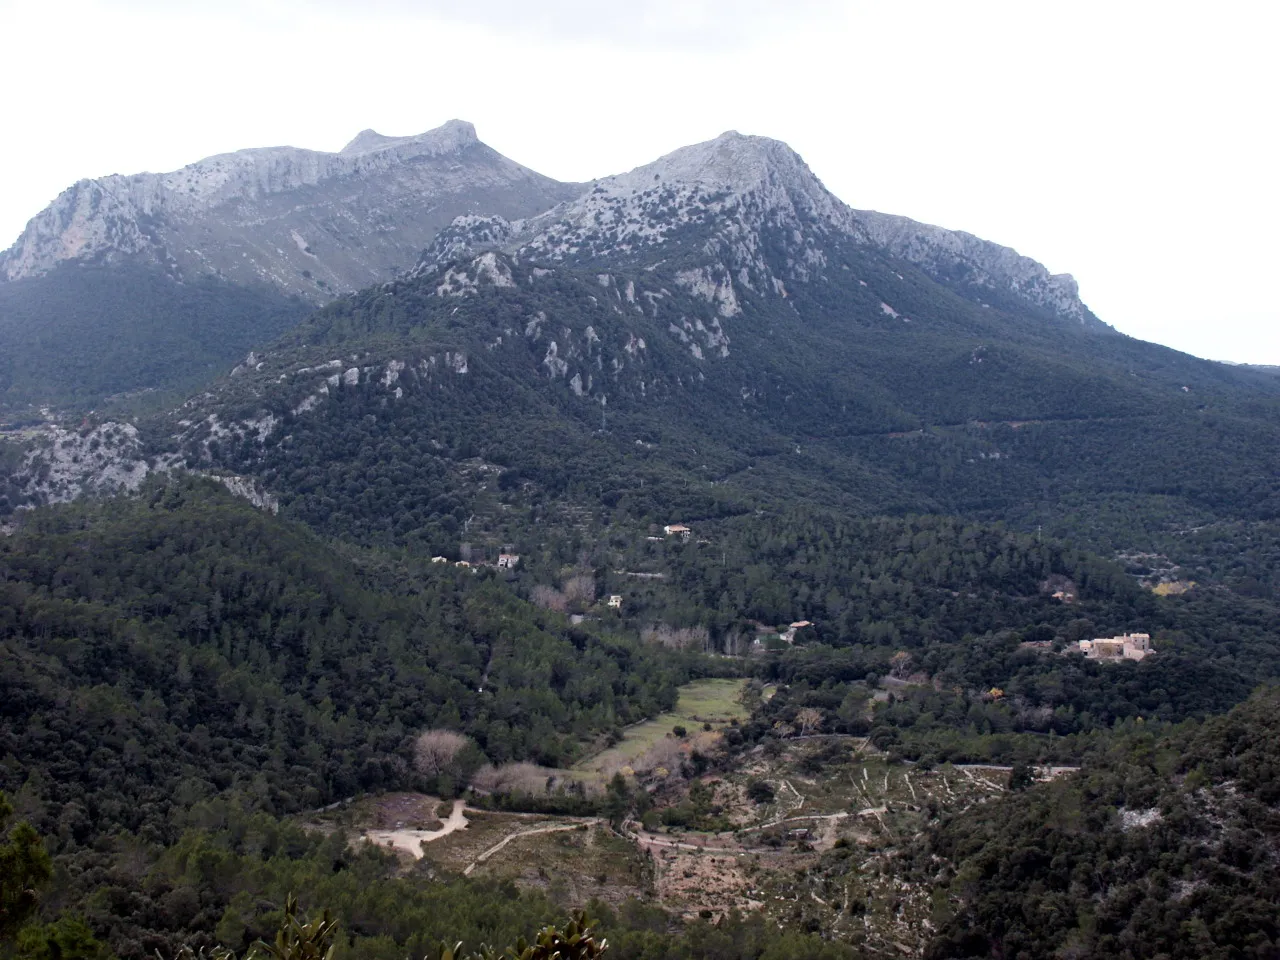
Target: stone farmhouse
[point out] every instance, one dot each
(1128, 646)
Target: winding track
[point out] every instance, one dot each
(411, 841)
(557, 828)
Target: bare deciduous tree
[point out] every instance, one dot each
(528, 778)
(677, 638)
(667, 754)
(810, 719)
(435, 751)
(901, 665)
(580, 587)
(549, 598)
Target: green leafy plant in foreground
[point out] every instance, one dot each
(296, 940)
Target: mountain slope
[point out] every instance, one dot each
(159, 281)
(707, 334)
(1168, 848)
(310, 223)
(976, 267)
(79, 335)
(241, 650)
(964, 409)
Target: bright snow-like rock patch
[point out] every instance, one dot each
(392, 373)
(250, 490)
(70, 464)
(554, 363)
(1134, 819)
(702, 284)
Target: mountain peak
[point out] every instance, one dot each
(447, 138)
(366, 140)
(731, 161)
(221, 214)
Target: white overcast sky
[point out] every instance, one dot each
(1133, 145)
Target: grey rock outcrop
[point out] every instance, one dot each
(956, 257)
(308, 222)
(745, 213)
(319, 224)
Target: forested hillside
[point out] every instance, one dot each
(962, 608)
(1169, 847)
(669, 430)
(180, 649)
(84, 335)
(620, 393)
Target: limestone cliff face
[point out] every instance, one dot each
(308, 222)
(959, 258)
(738, 214)
(745, 215)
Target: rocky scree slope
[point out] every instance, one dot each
(307, 222)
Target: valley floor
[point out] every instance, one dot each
(822, 852)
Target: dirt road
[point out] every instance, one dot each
(556, 828)
(411, 841)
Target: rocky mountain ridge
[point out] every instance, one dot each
(959, 259)
(733, 216)
(745, 215)
(308, 222)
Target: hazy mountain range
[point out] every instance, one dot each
(156, 281)
(721, 291)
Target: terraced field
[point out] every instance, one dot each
(705, 702)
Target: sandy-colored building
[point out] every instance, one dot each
(1128, 646)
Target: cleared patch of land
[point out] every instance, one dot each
(820, 847)
(715, 702)
(574, 864)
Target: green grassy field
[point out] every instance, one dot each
(716, 702)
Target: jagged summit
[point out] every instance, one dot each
(309, 222)
(731, 215)
(734, 215)
(447, 138)
(767, 170)
(744, 214)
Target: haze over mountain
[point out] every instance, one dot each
(310, 223)
(155, 281)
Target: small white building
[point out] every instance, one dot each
(508, 561)
(439, 559)
(677, 530)
(789, 635)
(615, 601)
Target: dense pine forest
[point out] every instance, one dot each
(181, 649)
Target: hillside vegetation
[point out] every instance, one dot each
(87, 336)
(1168, 847)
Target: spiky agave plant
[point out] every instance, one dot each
(576, 941)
